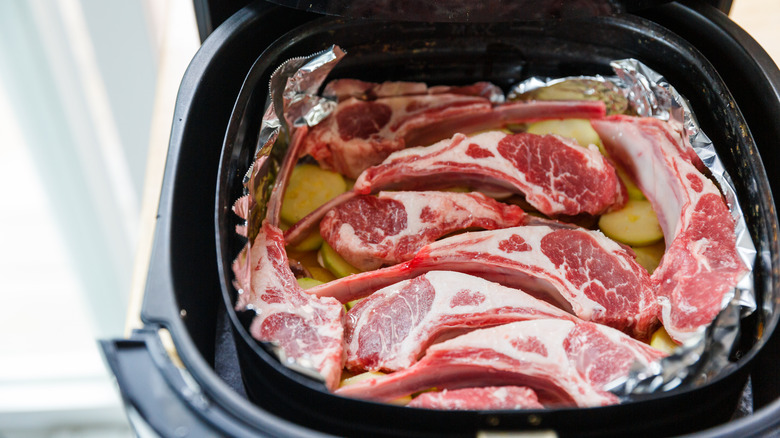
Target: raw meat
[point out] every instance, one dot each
(579, 270)
(342, 89)
(391, 329)
(359, 133)
(482, 399)
(557, 176)
(371, 231)
(701, 263)
(308, 329)
(362, 133)
(566, 363)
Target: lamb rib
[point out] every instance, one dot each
(341, 89)
(308, 329)
(362, 133)
(371, 231)
(701, 263)
(479, 399)
(557, 176)
(391, 329)
(566, 363)
(579, 270)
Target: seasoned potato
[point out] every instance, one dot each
(649, 256)
(635, 224)
(307, 282)
(662, 341)
(578, 129)
(309, 187)
(332, 261)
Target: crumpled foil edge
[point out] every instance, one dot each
(707, 353)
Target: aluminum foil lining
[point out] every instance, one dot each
(635, 89)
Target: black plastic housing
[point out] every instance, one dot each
(216, 120)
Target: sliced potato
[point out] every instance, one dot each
(309, 187)
(635, 224)
(649, 256)
(307, 282)
(633, 190)
(662, 341)
(351, 304)
(332, 261)
(312, 242)
(578, 129)
(321, 274)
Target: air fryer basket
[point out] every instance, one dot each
(503, 54)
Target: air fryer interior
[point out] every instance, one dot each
(503, 54)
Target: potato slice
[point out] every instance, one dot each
(661, 341)
(578, 129)
(321, 274)
(631, 188)
(309, 187)
(635, 224)
(649, 256)
(332, 261)
(307, 282)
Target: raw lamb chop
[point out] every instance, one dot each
(341, 89)
(371, 231)
(579, 270)
(557, 176)
(479, 399)
(701, 263)
(359, 133)
(567, 363)
(307, 329)
(391, 329)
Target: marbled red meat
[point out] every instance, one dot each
(701, 263)
(361, 133)
(342, 89)
(306, 328)
(371, 231)
(566, 363)
(556, 175)
(579, 270)
(391, 329)
(479, 398)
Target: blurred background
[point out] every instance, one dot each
(87, 90)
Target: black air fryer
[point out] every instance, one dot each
(228, 385)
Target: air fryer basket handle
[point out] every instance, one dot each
(153, 389)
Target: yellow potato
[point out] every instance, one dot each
(578, 129)
(306, 282)
(321, 274)
(631, 188)
(635, 224)
(662, 341)
(309, 187)
(649, 256)
(332, 261)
